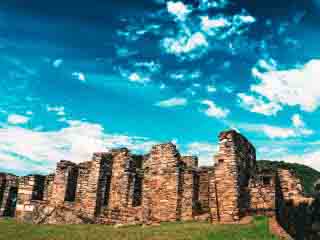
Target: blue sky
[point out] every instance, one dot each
(85, 76)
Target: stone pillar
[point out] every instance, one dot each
(161, 184)
(93, 189)
(31, 188)
(189, 188)
(214, 209)
(235, 162)
(121, 180)
(48, 185)
(61, 184)
(204, 182)
(137, 183)
(2, 191)
(8, 194)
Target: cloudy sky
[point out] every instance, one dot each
(85, 76)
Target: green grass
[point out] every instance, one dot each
(258, 230)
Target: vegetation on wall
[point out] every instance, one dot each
(307, 174)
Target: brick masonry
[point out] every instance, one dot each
(118, 187)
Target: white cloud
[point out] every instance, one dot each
(207, 4)
(209, 24)
(25, 150)
(136, 77)
(309, 158)
(59, 110)
(300, 125)
(151, 66)
(246, 18)
(257, 105)
(204, 151)
(17, 119)
(211, 88)
(274, 132)
(293, 87)
(162, 86)
(278, 132)
(57, 63)
(178, 9)
(222, 27)
(194, 45)
(80, 76)
(276, 152)
(172, 102)
(214, 111)
(297, 121)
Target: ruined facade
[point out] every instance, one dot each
(118, 187)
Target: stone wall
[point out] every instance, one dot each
(8, 194)
(31, 192)
(162, 176)
(124, 198)
(189, 188)
(64, 183)
(118, 187)
(262, 190)
(235, 164)
(298, 214)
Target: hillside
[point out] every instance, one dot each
(307, 174)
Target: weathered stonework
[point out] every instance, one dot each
(118, 187)
(8, 194)
(162, 180)
(297, 213)
(262, 190)
(235, 164)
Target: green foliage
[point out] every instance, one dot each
(307, 175)
(257, 230)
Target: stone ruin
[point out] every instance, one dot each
(118, 187)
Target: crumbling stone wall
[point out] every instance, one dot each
(235, 164)
(125, 188)
(93, 182)
(262, 192)
(31, 193)
(8, 194)
(298, 214)
(64, 183)
(118, 187)
(162, 176)
(48, 185)
(189, 186)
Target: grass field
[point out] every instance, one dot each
(257, 230)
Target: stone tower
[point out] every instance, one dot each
(235, 163)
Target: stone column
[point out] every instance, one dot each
(94, 189)
(60, 182)
(234, 166)
(161, 184)
(226, 178)
(189, 187)
(204, 188)
(48, 187)
(8, 194)
(31, 188)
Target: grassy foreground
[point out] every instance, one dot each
(258, 230)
